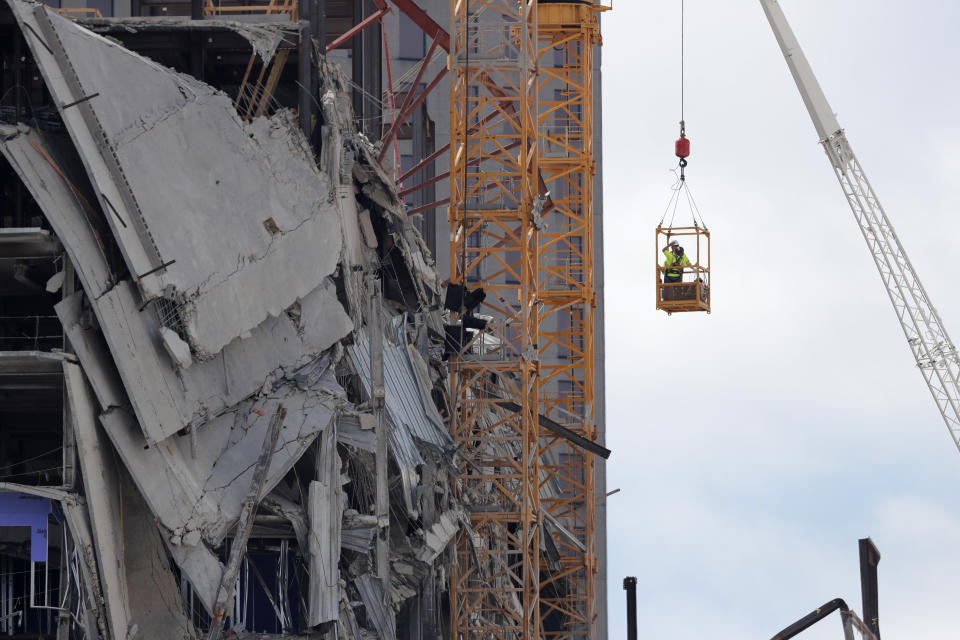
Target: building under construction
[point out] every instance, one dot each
(301, 320)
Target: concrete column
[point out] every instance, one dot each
(378, 398)
(428, 588)
(69, 437)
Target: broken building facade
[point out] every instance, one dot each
(200, 251)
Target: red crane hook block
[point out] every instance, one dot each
(683, 146)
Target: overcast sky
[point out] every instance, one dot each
(755, 445)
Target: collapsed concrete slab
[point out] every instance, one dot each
(52, 172)
(203, 492)
(193, 231)
(154, 597)
(438, 536)
(104, 501)
(225, 270)
(168, 397)
(200, 485)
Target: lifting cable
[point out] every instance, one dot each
(682, 147)
(681, 187)
(683, 62)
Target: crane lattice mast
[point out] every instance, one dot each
(568, 37)
(935, 353)
(495, 384)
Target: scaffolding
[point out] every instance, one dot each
(494, 245)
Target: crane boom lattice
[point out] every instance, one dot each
(935, 353)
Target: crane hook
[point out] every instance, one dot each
(683, 149)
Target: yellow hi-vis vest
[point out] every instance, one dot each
(670, 260)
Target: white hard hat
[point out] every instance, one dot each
(673, 242)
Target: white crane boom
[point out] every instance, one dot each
(935, 353)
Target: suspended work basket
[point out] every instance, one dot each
(683, 281)
(683, 253)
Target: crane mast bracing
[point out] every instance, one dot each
(568, 36)
(932, 348)
(495, 385)
(521, 221)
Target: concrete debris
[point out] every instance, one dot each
(103, 497)
(264, 39)
(201, 568)
(154, 597)
(55, 282)
(352, 430)
(53, 174)
(176, 347)
(141, 122)
(324, 507)
(369, 235)
(204, 492)
(215, 267)
(437, 537)
(295, 513)
(92, 618)
(357, 531)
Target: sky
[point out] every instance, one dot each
(754, 446)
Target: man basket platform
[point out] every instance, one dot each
(683, 271)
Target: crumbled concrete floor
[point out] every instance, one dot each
(224, 272)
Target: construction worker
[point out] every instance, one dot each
(674, 260)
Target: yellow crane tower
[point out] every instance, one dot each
(495, 386)
(521, 225)
(568, 34)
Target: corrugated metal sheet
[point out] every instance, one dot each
(410, 418)
(379, 611)
(407, 373)
(358, 538)
(357, 531)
